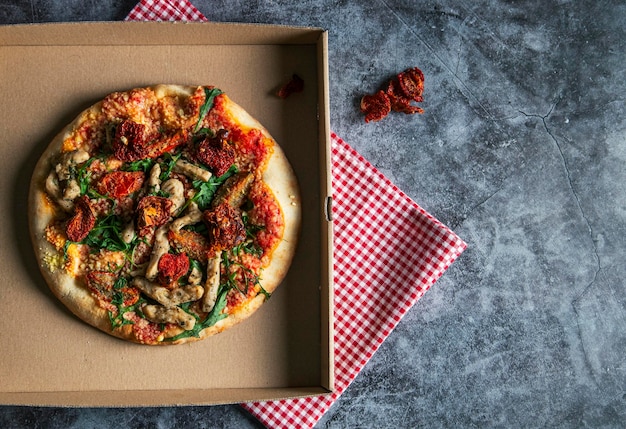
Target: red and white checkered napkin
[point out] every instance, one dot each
(388, 251)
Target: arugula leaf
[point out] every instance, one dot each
(107, 234)
(168, 165)
(210, 95)
(83, 177)
(141, 165)
(205, 191)
(250, 278)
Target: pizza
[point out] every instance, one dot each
(164, 214)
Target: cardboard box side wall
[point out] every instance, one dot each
(326, 233)
(179, 33)
(51, 358)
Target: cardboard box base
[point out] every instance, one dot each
(51, 72)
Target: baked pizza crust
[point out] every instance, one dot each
(278, 175)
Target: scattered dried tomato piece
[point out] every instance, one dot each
(399, 102)
(83, 220)
(172, 267)
(294, 85)
(152, 212)
(376, 106)
(405, 88)
(216, 153)
(118, 184)
(411, 84)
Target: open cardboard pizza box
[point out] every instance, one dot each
(50, 73)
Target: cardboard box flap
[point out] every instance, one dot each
(153, 33)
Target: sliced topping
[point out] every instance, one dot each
(161, 314)
(119, 184)
(128, 233)
(225, 227)
(216, 153)
(175, 190)
(161, 247)
(52, 185)
(61, 183)
(71, 191)
(234, 190)
(192, 171)
(83, 220)
(192, 243)
(171, 268)
(212, 284)
(154, 182)
(195, 276)
(68, 162)
(167, 297)
(193, 215)
(152, 212)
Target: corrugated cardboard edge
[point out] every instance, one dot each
(126, 33)
(327, 234)
(148, 398)
(121, 33)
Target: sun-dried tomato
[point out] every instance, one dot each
(404, 88)
(294, 85)
(376, 106)
(152, 212)
(130, 141)
(172, 267)
(194, 244)
(399, 102)
(166, 144)
(83, 220)
(118, 184)
(225, 225)
(411, 83)
(216, 153)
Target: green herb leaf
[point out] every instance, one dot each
(210, 95)
(168, 165)
(83, 177)
(205, 191)
(107, 234)
(141, 165)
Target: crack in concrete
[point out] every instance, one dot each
(572, 190)
(598, 268)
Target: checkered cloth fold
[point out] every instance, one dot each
(388, 252)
